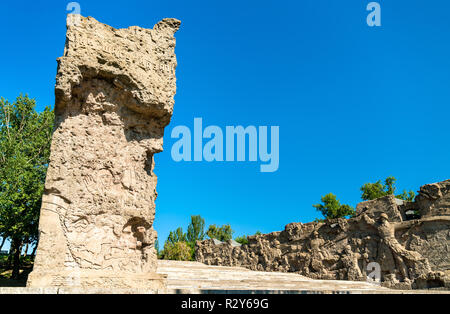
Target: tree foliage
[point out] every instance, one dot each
(407, 196)
(175, 245)
(371, 191)
(196, 230)
(25, 137)
(242, 240)
(177, 236)
(332, 208)
(178, 251)
(224, 233)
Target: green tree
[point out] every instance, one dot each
(389, 184)
(242, 240)
(407, 196)
(177, 236)
(174, 250)
(179, 251)
(196, 230)
(223, 233)
(25, 138)
(332, 208)
(372, 191)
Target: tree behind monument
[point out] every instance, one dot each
(25, 137)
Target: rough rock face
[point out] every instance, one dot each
(434, 199)
(114, 96)
(411, 253)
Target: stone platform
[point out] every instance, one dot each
(196, 278)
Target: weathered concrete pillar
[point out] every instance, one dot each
(114, 96)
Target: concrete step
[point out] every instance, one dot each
(193, 276)
(196, 278)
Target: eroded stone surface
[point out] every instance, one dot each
(411, 253)
(114, 95)
(434, 199)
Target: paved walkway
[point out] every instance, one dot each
(196, 278)
(193, 276)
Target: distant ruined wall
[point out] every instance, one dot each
(114, 96)
(411, 253)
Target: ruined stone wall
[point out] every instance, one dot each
(434, 199)
(411, 253)
(114, 96)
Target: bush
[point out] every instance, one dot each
(179, 251)
(224, 233)
(242, 240)
(175, 246)
(372, 191)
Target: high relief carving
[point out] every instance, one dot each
(96, 224)
(409, 253)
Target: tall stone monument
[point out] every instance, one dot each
(114, 96)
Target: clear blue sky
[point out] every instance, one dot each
(354, 103)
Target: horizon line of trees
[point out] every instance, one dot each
(180, 246)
